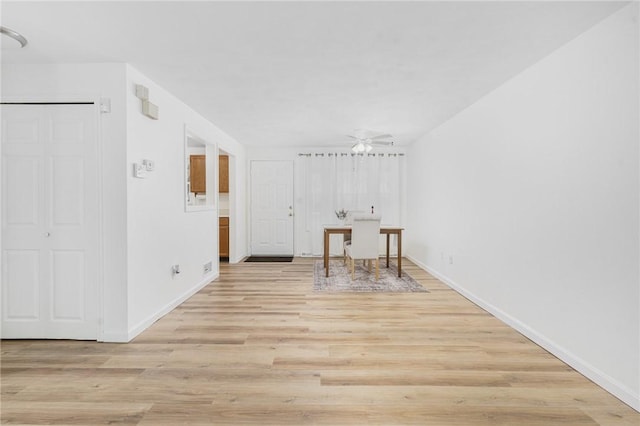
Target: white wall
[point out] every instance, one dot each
(160, 232)
(527, 202)
(145, 229)
(89, 82)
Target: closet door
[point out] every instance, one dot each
(49, 221)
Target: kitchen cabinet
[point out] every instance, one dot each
(223, 167)
(224, 236)
(198, 174)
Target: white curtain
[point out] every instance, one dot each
(335, 181)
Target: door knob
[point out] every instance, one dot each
(47, 234)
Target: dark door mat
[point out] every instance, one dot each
(269, 259)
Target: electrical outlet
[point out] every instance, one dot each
(175, 270)
(150, 165)
(207, 267)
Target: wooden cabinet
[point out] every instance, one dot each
(198, 174)
(224, 236)
(223, 167)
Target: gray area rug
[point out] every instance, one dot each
(339, 279)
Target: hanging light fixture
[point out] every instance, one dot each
(14, 35)
(366, 139)
(362, 146)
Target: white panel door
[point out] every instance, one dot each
(272, 208)
(49, 221)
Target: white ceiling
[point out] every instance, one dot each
(307, 73)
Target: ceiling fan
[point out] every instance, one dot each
(366, 139)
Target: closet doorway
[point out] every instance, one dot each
(50, 214)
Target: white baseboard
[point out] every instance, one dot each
(111, 337)
(614, 387)
(146, 323)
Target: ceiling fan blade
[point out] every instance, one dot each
(363, 133)
(375, 139)
(384, 136)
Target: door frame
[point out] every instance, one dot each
(250, 203)
(233, 196)
(99, 243)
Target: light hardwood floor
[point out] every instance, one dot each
(258, 346)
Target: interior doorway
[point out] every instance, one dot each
(226, 201)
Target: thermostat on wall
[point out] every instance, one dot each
(149, 109)
(142, 92)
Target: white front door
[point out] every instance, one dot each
(272, 208)
(49, 221)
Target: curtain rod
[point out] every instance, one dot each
(353, 154)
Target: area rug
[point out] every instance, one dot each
(339, 279)
(269, 259)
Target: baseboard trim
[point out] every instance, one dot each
(614, 387)
(146, 323)
(115, 337)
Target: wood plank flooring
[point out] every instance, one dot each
(258, 346)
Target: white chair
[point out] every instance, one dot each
(351, 214)
(347, 237)
(365, 233)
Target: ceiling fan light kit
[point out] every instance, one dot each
(361, 147)
(365, 139)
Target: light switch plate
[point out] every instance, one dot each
(139, 170)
